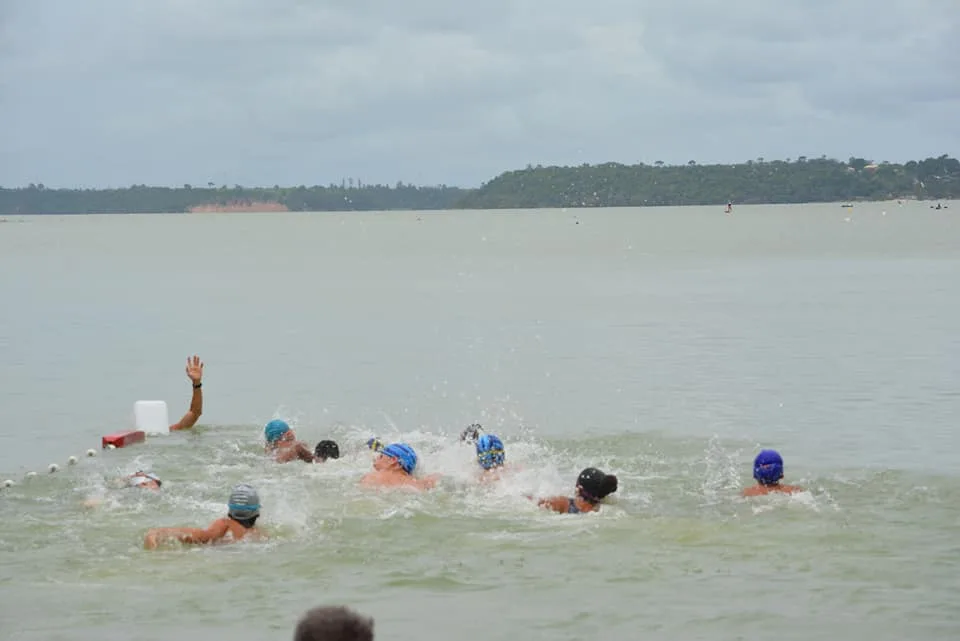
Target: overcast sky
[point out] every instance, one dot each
(257, 92)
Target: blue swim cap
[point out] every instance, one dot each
(768, 467)
(490, 451)
(404, 455)
(275, 429)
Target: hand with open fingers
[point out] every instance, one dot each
(194, 368)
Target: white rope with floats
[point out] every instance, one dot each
(150, 417)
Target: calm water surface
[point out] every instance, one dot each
(663, 345)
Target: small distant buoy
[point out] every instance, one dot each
(53, 467)
(111, 446)
(91, 452)
(30, 474)
(8, 483)
(72, 460)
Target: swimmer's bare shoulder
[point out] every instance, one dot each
(240, 533)
(762, 490)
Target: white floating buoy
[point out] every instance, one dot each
(111, 446)
(91, 452)
(8, 483)
(151, 417)
(53, 467)
(72, 460)
(30, 474)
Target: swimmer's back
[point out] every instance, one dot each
(763, 490)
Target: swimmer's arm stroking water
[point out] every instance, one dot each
(217, 530)
(428, 482)
(195, 374)
(556, 503)
(295, 452)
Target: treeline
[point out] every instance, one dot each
(607, 185)
(753, 182)
(38, 199)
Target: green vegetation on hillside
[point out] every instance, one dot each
(606, 185)
(752, 182)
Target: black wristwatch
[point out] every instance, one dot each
(197, 385)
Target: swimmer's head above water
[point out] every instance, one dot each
(471, 432)
(277, 431)
(326, 450)
(147, 480)
(594, 485)
(243, 506)
(490, 452)
(768, 467)
(396, 456)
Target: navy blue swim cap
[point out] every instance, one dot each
(490, 452)
(403, 454)
(375, 444)
(768, 467)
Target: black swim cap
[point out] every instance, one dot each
(327, 449)
(595, 485)
(471, 432)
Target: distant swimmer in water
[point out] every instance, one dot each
(395, 466)
(140, 479)
(471, 433)
(243, 510)
(145, 480)
(592, 487)
(490, 456)
(282, 443)
(768, 471)
(195, 374)
(326, 449)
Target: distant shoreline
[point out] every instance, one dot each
(237, 207)
(819, 180)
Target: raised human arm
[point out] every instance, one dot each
(195, 374)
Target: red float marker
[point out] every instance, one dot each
(124, 438)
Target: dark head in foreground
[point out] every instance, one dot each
(326, 449)
(333, 623)
(593, 486)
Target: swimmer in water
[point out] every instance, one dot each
(395, 466)
(490, 456)
(139, 479)
(195, 374)
(768, 471)
(243, 510)
(145, 480)
(282, 443)
(592, 487)
(471, 433)
(326, 450)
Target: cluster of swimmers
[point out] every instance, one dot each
(394, 465)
